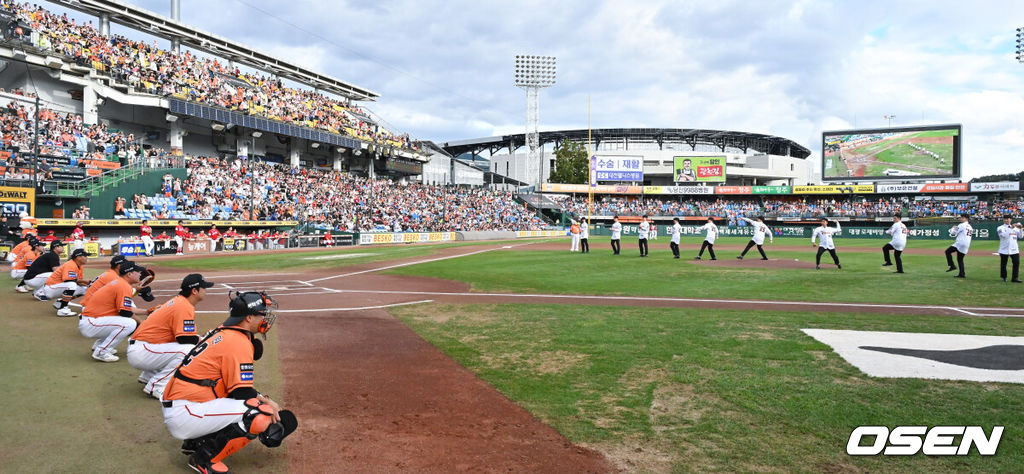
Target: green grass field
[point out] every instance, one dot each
(937, 133)
(687, 390)
(837, 168)
(861, 280)
(656, 390)
(906, 154)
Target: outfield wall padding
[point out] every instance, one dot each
(485, 235)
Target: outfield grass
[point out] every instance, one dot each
(65, 412)
(862, 279)
(700, 390)
(937, 133)
(311, 260)
(905, 154)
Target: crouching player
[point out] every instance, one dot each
(68, 282)
(162, 340)
(211, 403)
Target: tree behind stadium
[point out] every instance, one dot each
(571, 163)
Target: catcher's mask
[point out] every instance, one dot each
(252, 303)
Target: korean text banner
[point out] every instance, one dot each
(619, 168)
(700, 169)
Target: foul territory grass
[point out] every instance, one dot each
(65, 412)
(862, 278)
(722, 390)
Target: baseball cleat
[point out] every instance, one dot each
(951, 269)
(66, 312)
(207, 467)
(764, 258)
(959, 276)
(112, 351)
(714, 259)
(1016, 281)
(106, 357)
(697, 257)
(21, 289)
(899, 271)
(886, 264)
(739, 257)
(1004, 280)
(56, 305)
(840, 266)
(189, 446)
(40, 297)
(817, 267)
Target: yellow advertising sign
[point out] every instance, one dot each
(849, 189)
(14, 201)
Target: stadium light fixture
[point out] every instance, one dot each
(1020, 45)
(534, 73)
(315, 145)
(171, 118)
(257, 134)
(217, 126)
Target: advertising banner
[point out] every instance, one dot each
(854, 189)
(898, 188)
(521, 234)
(583, 188)
(772, 190)
(131, 249)
(619, 168)
(160, 223)
(197, 246)
(734, 190)
(995, 186)
(14, 201)
(679, 189)
(699, 169)
(408, 237)
(945, 188)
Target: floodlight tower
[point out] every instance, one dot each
(1020, 45)
(534, 73)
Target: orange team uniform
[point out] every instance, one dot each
(227, 358)
(21, 248)
(26, 259)
(110, 300)
(70, 271)
(100, 281)
(172, 319)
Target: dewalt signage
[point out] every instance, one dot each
(14, 201)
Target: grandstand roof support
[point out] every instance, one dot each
(161, 26)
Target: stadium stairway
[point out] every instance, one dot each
(99, 192)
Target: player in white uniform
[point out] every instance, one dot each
(585, 236)
(899, 233)
(760, 229)
(1009, 234)
(643, 229)
(709, 240)
(78, 236)
(616, 235)
(675, 231)
(146, 234)
(823, 234)
(962, 232)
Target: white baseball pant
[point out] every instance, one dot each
(108, 330)
(147, 241)
(38, 281)
(18, 274)
(191, 420)
(55, 291)
(181, 244)
(157, 362)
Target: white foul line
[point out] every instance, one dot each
(321, 310)
(691, 300)
(343, 275)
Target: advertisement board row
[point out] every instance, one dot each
(522, 234)
(405, 237)
(160, 223)
(983, 231)
(1001, 186)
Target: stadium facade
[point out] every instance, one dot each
(750, 158)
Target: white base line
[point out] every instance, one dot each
(410, 263)
(684, 300)
(322, 310)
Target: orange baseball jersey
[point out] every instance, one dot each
(26, 259)
(225, 357)
(110, 300)
(20, 248)
(70, 271)
(100, 281)
(172, 319)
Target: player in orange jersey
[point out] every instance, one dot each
(68, 282)
(32, 250)
(104, 278)
(162, 340)
(211, 403)
(108, 318)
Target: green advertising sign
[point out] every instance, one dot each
(772, 190)
(699, 169)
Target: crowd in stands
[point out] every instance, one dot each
(217, 188)
(790, 206)
(60, 133)
(146, 68)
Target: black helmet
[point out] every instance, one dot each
(252, 303)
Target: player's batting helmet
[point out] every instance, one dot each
(252, 303)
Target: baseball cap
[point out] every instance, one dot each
(79, 253)
(117, 260)
(195, 280)
(129, 266)
(55, 244)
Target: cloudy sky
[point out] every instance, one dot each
(787, 68)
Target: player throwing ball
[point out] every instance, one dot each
(899, 233)
(760, 229)
(1009, 234)
(823, 234)
(709, 239)
(962, 232)
(211, 402)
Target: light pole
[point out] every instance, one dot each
(1020, 45)
(534, 73)
(889, 117)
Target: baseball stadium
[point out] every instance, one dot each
(221, 258)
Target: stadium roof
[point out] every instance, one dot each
(167, 28)
(722, 139)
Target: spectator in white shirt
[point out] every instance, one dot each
(585, 236)
(823, 234)
(899, 232)
(616, 235)
(963, 233)
(1009, 234)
